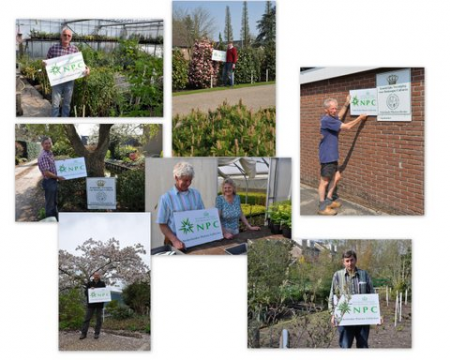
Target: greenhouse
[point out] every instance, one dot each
(124, 59)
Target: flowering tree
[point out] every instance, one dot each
(114, 263)
(202, 67)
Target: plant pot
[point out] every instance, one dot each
(275, 229)
(287, 232)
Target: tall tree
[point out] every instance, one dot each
(228, 32)
(267, 26)
(245, 27)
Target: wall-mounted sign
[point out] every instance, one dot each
(101, 193)
(363, 309)
(394, 95)
(363, 101)
(65, 68)
(71, 168)
(219, 55)
(98, 295)
(198, 226)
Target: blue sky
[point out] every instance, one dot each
(217, 11)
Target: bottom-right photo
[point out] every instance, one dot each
(337, 293)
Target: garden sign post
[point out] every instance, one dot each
(101, 193)
(361, 309)
(65, 68)
(99, 295)
(198, 226)
(71, 168)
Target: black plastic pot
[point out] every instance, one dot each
(275, 229)
(287, 232)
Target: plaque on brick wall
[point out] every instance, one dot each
(363, 101)
(394, 95)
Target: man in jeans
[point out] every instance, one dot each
(350, 280)
(230, 65)
(92, 308)
(64, 90)
(330, 126)
(46, 164)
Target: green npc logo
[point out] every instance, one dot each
(186, 226)
(363, 102)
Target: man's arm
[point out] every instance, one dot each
(344, 109)
(49, 174)
(177, 243)
(351, 124)
(331, 301)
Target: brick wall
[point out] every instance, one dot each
(385, 160)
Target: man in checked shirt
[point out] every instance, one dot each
(350, 280)
(64, 90)
(46, 163)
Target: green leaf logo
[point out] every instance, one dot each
(186, 226)
(62, 168)
(355, 101)
(55, 70)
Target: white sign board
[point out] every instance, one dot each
(198, 226)
(65, 68)
(71, 168)
(98, 295)
(394, 95)
(362, 309)
(363, 101)
(101, 193)
(219, 55)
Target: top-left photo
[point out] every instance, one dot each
(89, 68)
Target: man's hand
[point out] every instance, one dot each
(87, 71)
(363, 117)
(234, 66)
(227, 235)
(44, 63)
(349, 98)
(333, 322)
(60, 178)
(177, 244)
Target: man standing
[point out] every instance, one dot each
(46, 164)
(64, 90)
(179, 198)
(93, 307)
(230, 65)
(350, 280)
(330, 126)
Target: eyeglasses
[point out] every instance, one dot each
(67, 35)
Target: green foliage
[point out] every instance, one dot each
(41, 214)
(131, 190)
(120, 311)
(281, 213)
(180, 67)
(230, 130)
(249, 64)
(137, 297)
(28, 149)
(71, 309)
(269, 63)
(72, 195)
(64, 148)
(252, 209)
(35, 73)
(123, 152)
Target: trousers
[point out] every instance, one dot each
(348, 333)
(87, 319)
(64, 91)
(50, 187)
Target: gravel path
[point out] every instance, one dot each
(69, 341)
(256, 97)
(29, 194)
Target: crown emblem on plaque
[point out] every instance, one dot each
(101, 183)
(392, 79)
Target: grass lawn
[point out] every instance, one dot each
(189, 92)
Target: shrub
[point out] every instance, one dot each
(137, 297)
(72, 195)
(180, 67)
(71, 309)
(249, 64)
(253, 209)
(131, 190)
(123, 152)
(201, 67)
(281, 213)
(121, 312)
(62, 148)
(269, 62)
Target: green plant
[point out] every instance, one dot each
(121, 312)
(71, 309)
(72, 195)
(248, 66)
(41, 214)
(253, 209)
(180, 68)
(281, 213)
(131, 190)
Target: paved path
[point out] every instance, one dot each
(69, 341)
(29, 195)
(33, 104)
(256, 97)
(309, 201)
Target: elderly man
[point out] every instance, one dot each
(331, 125)
(350, 280)
(96, 308)
(230, 65)
(179, 198)
(64, 90)
(46, 164)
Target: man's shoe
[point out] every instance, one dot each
(82, 336)
(335, 204)
(96, 336)
(328, 211)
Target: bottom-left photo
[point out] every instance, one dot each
(104, 282)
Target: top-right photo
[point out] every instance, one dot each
(362, 136)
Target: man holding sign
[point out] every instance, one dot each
(93, 307)
(230, 65)
(65, 89)
(350, 281)
(179, 198)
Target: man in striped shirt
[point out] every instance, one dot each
(64, 90)
(350, 280)
(46, 164)
(179, 198)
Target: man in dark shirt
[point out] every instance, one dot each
(93, 307)
(330, 126)
(230, 65)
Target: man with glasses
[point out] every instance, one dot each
(64, 90)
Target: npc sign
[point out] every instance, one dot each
(198, 227)
(71, 168)
(219, 55)
(101, 193)
(65, 68)
(98, 295)
(364, 101)
(361, 309)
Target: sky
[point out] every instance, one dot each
(128, 228)
(217, 11)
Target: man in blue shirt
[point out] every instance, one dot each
(330, 126)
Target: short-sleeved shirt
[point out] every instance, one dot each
(58, 50)
(174, 201)
(329, 144)
(229, 213)
(46, 162)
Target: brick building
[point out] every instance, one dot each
(382, 161)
